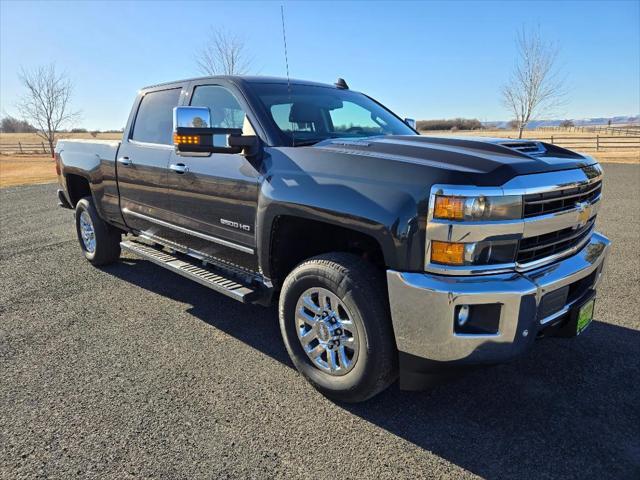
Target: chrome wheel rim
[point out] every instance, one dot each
(87, 233)
(327, 331)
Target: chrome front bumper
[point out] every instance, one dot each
(423, 308)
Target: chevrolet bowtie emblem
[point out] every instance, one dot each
(584, 213)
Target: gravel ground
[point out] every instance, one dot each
(129, 371)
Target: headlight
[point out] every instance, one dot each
(508, 207)
(478, 253)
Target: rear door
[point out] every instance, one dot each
(143, 160)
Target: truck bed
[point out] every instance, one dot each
(105, 149)
(84, 157)
(81, 161)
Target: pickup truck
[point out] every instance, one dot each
(390, 254)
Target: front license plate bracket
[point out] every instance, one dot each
(580, 317)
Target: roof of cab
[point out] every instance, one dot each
(239, 79)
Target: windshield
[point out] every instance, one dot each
(308, 114)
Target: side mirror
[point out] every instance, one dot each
(411, 122)
(193, 134)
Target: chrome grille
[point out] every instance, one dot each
(535, 248)
(559, 215)
(560, 200)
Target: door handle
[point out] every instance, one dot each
(179, 168)
(125, 161)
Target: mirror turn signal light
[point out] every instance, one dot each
(449, 208)
(447, 253)
(186, 139)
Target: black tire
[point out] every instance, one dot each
(360, 286)
(107, 238)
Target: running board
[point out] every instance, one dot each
(203, 276)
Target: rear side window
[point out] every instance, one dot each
(154, 121)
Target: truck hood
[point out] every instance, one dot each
(489, 161)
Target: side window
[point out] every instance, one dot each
(154, 121)
(225, 109)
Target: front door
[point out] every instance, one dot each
(213, 199)
(143, 159)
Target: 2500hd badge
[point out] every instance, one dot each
(237, 225)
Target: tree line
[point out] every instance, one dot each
(11, 124)
(450, 124)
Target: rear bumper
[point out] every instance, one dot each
(424, 308)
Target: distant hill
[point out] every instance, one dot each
(619, 120)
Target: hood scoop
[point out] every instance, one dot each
(529, 148)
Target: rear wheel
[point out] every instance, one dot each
(100, 242)
(334, 320)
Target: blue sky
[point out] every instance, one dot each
(422, 59)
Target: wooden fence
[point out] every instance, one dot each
(594, 142)
(24, 148)
(604, 129)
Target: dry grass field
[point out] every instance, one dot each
(26, 170)
(13, 138)
(32, 168)
(16, 169)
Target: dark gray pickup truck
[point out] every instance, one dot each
(389, 253)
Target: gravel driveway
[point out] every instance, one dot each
(130, 371)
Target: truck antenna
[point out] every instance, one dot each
(284, 38)
(286, 62)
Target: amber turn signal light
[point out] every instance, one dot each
(447, 253)
(449, 208)
(186, 139)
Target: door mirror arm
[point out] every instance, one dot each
(250, 144)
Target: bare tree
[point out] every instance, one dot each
(47, 101)
(224, 53)
(535, 87)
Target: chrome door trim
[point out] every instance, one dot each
(178, 228)
(162, 146)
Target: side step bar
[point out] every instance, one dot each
(203, 276)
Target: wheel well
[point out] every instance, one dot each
(295, 239)
(78, 188)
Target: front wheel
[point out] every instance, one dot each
(100, 242)
(334, 319)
